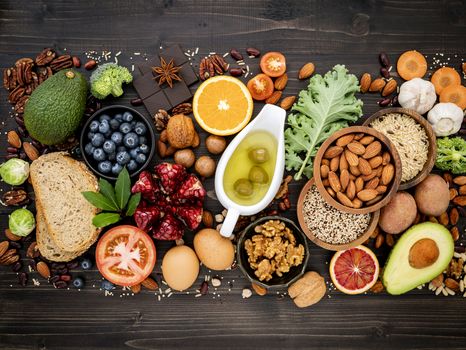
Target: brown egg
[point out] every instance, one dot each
(180, 267)
(215, 251)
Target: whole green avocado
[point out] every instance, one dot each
(55, 109)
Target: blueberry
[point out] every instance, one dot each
(117, 168)
(119, 117)
(107, 285)
(78, 282)
(97, 140)
(86, 264)
(144, 148)
(99, 154)
(94, 126)
(134, 152)
(91, 134)
(125, 128)
(112, 156)
(117, 137)
(131, 140)
(109, 146)
(89, 149)
(142, 140)
(140, 128)
(132, 165)
(141, 158)
(104, 127)
(105, 166)
(114, 124)
(104, 117)
(122, 158)
(127, 117)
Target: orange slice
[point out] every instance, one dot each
(222, 105)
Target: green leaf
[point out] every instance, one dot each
(105, 219)
(98, 200)
(133, 204)
(123, 188)
(108, 191)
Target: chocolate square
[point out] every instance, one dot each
(155, 102)
(146, 67)
(146, 85)
(187, 74)
(174, 52)
(178, 94)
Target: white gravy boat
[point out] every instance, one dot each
(272, 119)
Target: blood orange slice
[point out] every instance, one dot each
(355, 270)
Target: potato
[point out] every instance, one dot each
(432, 195)
(399, 214)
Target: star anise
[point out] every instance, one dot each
(167, 72)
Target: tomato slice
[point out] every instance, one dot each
(273, 64)
(260, 87)
(125, 255)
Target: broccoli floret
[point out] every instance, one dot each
(451, 155)
(108, 79)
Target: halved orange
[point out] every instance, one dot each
(222, 105)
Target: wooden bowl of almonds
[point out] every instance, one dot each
(357, 170)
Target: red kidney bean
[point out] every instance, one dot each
(384, 60)
(136, 101)
(251, 51)
(236, 72)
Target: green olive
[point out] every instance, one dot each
(259, 155)
(243, 187)
(258, 174)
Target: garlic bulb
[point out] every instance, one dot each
(417, 94)
(446, 118)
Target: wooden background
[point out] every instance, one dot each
(324, 32)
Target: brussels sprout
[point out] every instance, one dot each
(15, 171)
(21, 222)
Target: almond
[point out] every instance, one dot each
(164, 136)
(463, 67)
(330, 191)
(324, 169)
(377, 85)
(375, 200)
(11, 236)
(373, 149)
(365, 82)
(13, 139)
(150, 283)
(274, 98)
(344, 200)
(306, 70)
(356, 148)
(448, 178)
(352, 177)
(460, 200)
(375, 162)
(43, 269)
(370, 176)
(358, 136)
(343, 162)
(444, 219)
(351, 190)
(334, 181)
(454, 192)
(378, 171)
(344, 140)
(455, 233)
(381, 189)
(351, 158)
(364, 167)
(326, 162)
(354, 170)
(344, 179)
(462, 189)
(31, 151)
(161, 148)
(389, 240)
(287, 102)
(334, 163)
(325, 182)
(3, 247)
(359, 183)
(136, 288)
(367, 195)
(366, 140)
(372, 184)
(460, 180)
(259, 289)
(280, 82)
(333, 151)
(357, 203)
(389, 88)
(386, 158)
(387, 174)
(452, 284)
(379, 241)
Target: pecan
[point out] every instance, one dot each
(23, 72)
(46, 56)
(15, 197)
(9, 78)
(220, 62)
(27, 72)
(11, 256)
(16, 94)
(19, 106)
(33, 251)
(25, 60)
(183, 108)
(61, 62)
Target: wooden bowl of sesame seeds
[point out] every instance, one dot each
(328, 227)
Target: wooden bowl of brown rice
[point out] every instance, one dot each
(329, 227)
(414, 139)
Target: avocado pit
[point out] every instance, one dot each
(423, 253)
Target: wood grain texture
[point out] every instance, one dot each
(324, 32)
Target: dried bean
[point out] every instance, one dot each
(72, 265)
(236, 72)
(60, 284)
(384, 102)
(23, 279)
(76, 62)
(65, 278)
(22, 131)
(15, 245)
(17, 266)
(204, 288)
(12, 150)
(19, 121)
(235, 54)
(385, 73)
(251, 51)
(384, 60)
(11, 155)
(90, 64)
(54, 279)
(136, 101)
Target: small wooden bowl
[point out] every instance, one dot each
(432, 150)
(395, 158)
(330, 246)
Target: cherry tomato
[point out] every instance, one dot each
(125, 255)
(273, 64)
(260, 87)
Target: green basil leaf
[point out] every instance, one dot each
(98, 200)
(123, 188)
(133, 204)
(108, 191)
(105, 219)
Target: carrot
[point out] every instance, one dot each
(455, 94)
(411, 64)
(444, 77)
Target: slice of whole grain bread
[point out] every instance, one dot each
(58, 181)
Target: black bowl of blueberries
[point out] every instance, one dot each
(115, 137)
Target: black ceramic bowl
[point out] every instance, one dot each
(276, 282)
(111, 111)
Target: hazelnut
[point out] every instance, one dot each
(205, 166)
(185, 157)
(215, 144)
(180, 131)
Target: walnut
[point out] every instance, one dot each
(180, 131)
(455, 268)
(264, 270)
(308, 290)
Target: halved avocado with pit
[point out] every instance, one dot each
(422, 253)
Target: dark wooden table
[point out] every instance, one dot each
(324, 32)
